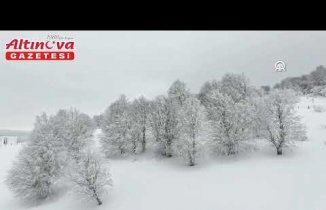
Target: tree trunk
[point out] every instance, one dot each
(99, 202)
(134, 147)
(230, 148)
(279, 151)
(144, 140)
(191, 161)
(168, 149)
(192, 153)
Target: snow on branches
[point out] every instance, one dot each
(90, 178)
(278, 120)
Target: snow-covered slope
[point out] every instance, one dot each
(258, 181)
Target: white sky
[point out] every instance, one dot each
(144, 62)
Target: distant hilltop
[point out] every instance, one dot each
(18, 133)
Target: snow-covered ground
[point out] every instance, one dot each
(258, 181)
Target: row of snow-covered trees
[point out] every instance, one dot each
(313, 83)
(58, 149)
(175, 122)
(224, 118)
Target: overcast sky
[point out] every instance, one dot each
(144, 62)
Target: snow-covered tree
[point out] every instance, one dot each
(192, 120)
(265, 89)
(235, 86)
(98, 120)
(27, 180)
(172, 126)
(206, 89)
(80, 131)
(170, 108)
(140, 115)
(157, 121)
(116, 128)
(165, 123)
(231, 123)
(319, 76)
(278, 119)
(38, 166)
(230, 112)
(318, 91)
(178, 92)
(90, 178)
(54, 141)
(75, 130)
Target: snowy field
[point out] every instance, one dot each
(260, 180)
(11, 139)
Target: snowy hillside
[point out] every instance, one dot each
(257, 181)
